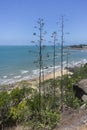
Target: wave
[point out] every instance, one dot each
(24, 71)
(77, 63)
(5, 76)
(17, 77)
(26, 75)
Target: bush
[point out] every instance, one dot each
(72, 101)
(4, 108)
(69, 95)
(47, 121)
(20, 113)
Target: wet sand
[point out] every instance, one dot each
(33, 83)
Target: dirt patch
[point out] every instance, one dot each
(73, 120)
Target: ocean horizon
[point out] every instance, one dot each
(22, 62)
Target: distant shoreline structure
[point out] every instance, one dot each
(78, 47)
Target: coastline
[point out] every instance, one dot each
(33, 83)
(50, 76)
(23, 68)
(77, 48)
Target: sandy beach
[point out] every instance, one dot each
(48, 76)
(33, 83)
(57, 74)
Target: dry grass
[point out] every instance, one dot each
(19, 127)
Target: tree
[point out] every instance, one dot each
(40, 26)
(54, 35)
(62, 42)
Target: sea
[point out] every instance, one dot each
(22, 62)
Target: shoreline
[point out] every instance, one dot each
(34, 81)
(48, 73)
(77, 48)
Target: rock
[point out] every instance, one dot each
(70, 69)
(80, 90)
(83, 106)
(83, 85)
(84, 98)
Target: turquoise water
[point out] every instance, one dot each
(22, 62)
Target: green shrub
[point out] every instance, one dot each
(72, 101)
(4, 108)
(47, 121)
(20, 113)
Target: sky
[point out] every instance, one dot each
(18, 18)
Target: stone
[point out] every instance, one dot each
(83, 85)
(83, 106)
(84, 98)
(80, 90)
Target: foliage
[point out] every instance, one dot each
(69, 95)
(33, 103)
(21, 105)
(51, 118)
(48, 117)
(46, 121)
(4, 107)
(16, 96)
(21, 112)
(72, 101)
(80, 73)
(68, 81)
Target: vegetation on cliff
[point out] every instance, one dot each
(21, 105)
